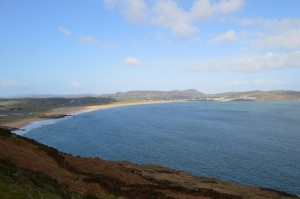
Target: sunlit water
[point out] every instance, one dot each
(253, 143)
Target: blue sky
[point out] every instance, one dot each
(106, 46)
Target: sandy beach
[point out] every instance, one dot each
(76, 110)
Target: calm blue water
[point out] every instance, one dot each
(253, 143)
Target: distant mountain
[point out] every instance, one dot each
(190, 94)
(157, 95)
(50, 96)
(277, 95)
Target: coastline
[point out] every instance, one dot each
(99, 107)
(60, 174)
(70, 111)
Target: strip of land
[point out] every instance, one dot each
(61, 112)
(18, 112)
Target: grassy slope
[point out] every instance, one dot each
(32, 170)
(280, 95)
(22, 183)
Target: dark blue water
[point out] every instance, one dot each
(253, 143)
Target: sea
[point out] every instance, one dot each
(251, 143)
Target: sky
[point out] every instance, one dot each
(105, 46)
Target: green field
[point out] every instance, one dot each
(15, 109)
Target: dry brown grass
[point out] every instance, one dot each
(101, 178)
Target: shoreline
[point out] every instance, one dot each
(99, 107)
(119, 174)
(65, 112)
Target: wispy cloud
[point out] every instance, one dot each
(256, 82)
(131, 61)
(88, 40)
(64, 31)
(12, 84)
(275, 33)
(206, 8)
(278, 24)
(167, 13)
(108, 45)
(134, 11)
(288, 38)
(227, 36)
(254, 63)
(75, 84)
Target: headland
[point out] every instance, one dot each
(29, 169)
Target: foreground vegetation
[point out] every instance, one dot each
(29, 169)
(32, 170)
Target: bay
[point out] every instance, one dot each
(252, 143)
